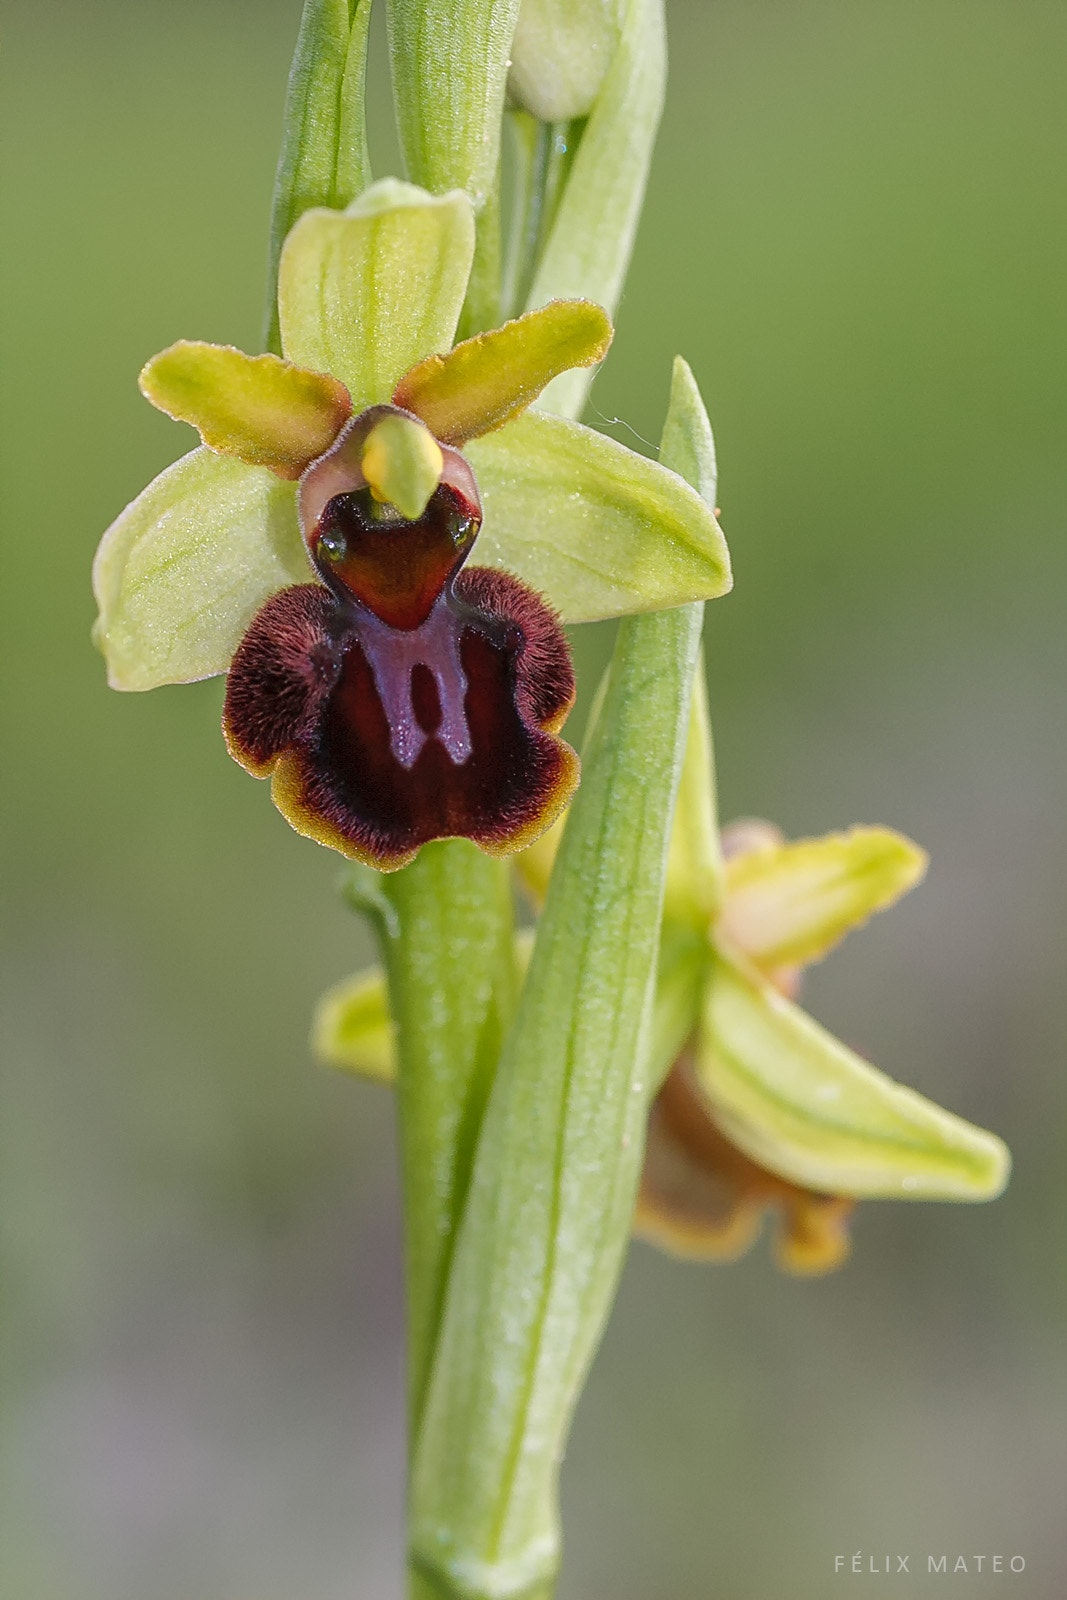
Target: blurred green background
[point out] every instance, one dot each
(855, 233)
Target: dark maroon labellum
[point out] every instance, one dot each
(406, 700)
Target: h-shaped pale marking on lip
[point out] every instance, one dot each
(393, 656)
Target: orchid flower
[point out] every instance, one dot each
(315, 546)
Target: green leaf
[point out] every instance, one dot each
(560, 55)
(353, 1030)
(449, 62)
(181, 573)
(324, 159)
(589, 247)
(787, 904)
(365, 293)
(551, 1197)
(487, 380)
(596, 529)
(260, 409)
(802, 1104)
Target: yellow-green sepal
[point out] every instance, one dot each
(260, 409)
(599, 531)
(788, 903)
(352, 1027)
(367, 292)
(802, 1104)
(353, 1030)
(486, 381)
(182, 571)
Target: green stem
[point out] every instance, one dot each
(445, 926)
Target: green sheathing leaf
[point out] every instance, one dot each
(588, 249)
(324, 160)
(181, 573)
(801, 1103)
(789, 903)
(260, 409)
(493, 377)
(444, 926)
(552, 1193)
(366, 293)
(598, 530)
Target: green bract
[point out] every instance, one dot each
(366, 296)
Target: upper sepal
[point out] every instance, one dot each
(367, 292)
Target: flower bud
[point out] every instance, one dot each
(560, 55)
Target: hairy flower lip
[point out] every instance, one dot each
(376, 745)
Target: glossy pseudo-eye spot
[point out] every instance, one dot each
(404, 698)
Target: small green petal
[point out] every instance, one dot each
(805, 1106)
(402, 464)
(353, 1030)
(787, 904)
(366, 293)
(489, 379)
(596, 529)
(260, 409)
(181, 573)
